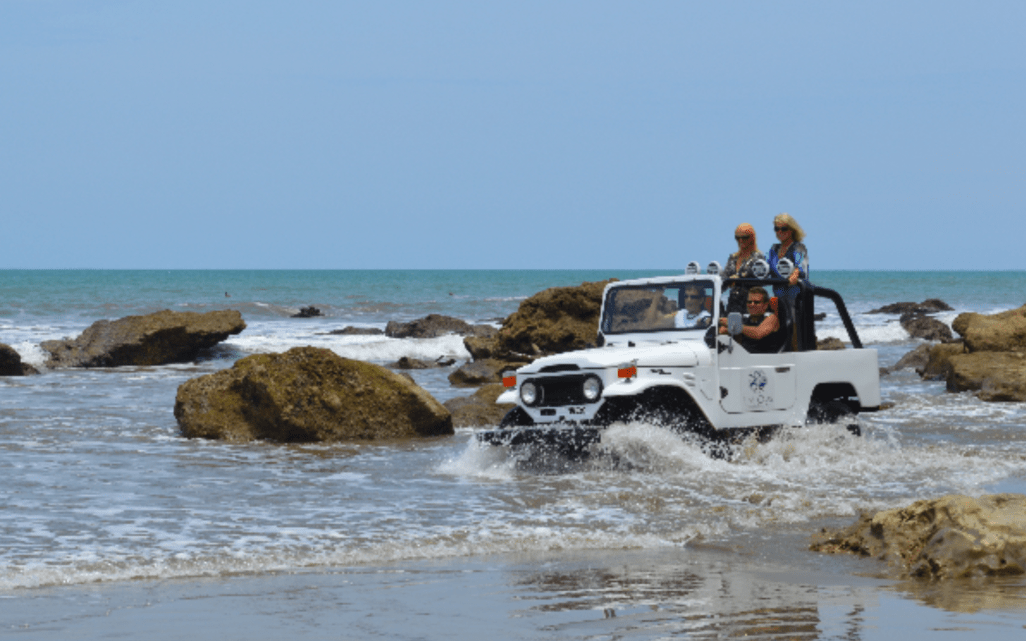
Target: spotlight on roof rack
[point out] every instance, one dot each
(785, 267)
(692, 268)
(713, 268)
(760, 269)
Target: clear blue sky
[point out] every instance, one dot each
(437, 134)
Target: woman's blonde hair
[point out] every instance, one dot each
(748, 229)
(785, 219)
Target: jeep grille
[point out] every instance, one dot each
(557, 391)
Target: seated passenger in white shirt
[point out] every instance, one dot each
(694, 315)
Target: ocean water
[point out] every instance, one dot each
(112, 523)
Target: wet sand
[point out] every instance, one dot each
(754, 589)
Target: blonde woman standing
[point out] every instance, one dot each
(789, 245)
(739, 265)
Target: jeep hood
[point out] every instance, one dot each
(673, 354)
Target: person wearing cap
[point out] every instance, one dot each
(739, 265)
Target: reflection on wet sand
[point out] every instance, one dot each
(672, 599)
(968, 595)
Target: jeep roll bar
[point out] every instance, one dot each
(805, 309)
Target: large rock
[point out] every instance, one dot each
(559, 319)
(990, 360)
(155, 339)
(951, 537)
(994, 376)
(434, 325)
(479, 409)
(307, 394)
(1003, 332)
(10, 363)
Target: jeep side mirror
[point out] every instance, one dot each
(734, 323)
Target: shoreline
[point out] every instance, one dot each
(770, 589)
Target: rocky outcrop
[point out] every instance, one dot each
(559, 319)
(947, 538)
(155, 339)
(925, 327)
(1002, 332)
(434, 325)
(929, 306)
(479, 409)
(307, 394)
(10, 363)
(990, 359)
(993, 376)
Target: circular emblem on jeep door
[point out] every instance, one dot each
(757, 381)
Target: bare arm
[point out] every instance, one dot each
(768, 325)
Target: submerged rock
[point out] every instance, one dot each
(10, 363)
(349, 330)
(405, 362)
(481, 372)
(154, 339)
(925, 327)
(929, 306)
(951, 537)
(307, 394)
(480, 408)
(434, 325)
(307, 312)
(916, 359)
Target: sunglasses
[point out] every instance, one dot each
(775, 228)
(756, 302)
(694, 296)
(740, 238)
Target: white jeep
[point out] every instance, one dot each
(661, 358)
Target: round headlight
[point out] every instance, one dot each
(592, 388)
(529, 393)
(760, 268)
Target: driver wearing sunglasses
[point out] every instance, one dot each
(694, 314)
(760, 324)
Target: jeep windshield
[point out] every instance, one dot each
(654, 307)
